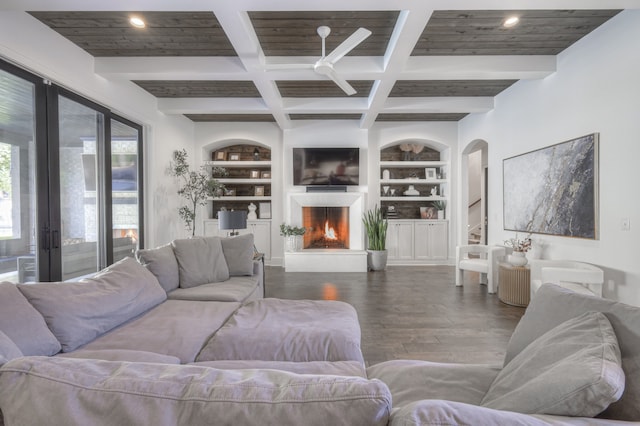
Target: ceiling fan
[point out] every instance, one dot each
(324, 65)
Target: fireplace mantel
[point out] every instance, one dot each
(353, 259)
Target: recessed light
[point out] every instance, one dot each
(137, 22)
(511, 21)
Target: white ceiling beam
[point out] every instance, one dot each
(170, 68)
(478, 67)
(325, 105)
(212, 106)
(439, 104)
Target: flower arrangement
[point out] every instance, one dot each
(288, 230)
(518, 245)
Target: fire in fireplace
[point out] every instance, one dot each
(327, 227)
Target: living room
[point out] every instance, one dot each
(588, 90)
(589, 87)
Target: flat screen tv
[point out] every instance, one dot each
(326, 166)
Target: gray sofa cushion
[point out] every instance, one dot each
(572, 370)
(23, 324)
(332, 368)
(235, 289)
(8, 349)
(163, 264)
(159, 395)
(78, 312)
(176, 327)
(200, 261)
(433, 412)
(122, 355)
(288, 330)
(411, 381)
(552, 305)
(238, 252)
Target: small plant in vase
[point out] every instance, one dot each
(293, 236)
(440, 206)
(520, 249)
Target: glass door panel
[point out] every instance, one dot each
(125, 205)
(18, 236)
(81, 131)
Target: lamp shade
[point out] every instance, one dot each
(234, 219)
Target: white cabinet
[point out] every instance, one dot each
(400, 240)
(261, 230)
(431, 239)
(417, 241)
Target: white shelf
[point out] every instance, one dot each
(413, 164)
(408, 198)
(414, 181)
(243, 180)
(231, 164)
(242, 198)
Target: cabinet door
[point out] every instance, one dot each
(211, 228)
(400, 240)
(431, 241)
(261, 237)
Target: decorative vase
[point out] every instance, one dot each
(441, 216)
(386, 175)
(377, 260)
(293, 243)
(517, 258)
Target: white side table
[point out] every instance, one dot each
(514, 284)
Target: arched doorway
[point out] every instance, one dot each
(474, 202)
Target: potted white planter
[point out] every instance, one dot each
(376, 226)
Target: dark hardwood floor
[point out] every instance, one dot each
(411, 312)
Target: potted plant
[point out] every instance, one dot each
(196, 187)
(293, 236)
(440, 206)
(376, 226)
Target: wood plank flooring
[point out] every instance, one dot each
(411, 312)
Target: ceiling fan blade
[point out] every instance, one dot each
(348, 45)
(342, 83)
(288, 66)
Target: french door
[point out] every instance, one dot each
(70, 180)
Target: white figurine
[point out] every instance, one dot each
(252, 212)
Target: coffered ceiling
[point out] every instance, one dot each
(222, 60)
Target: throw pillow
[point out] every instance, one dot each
(200, 261)
(163, 264)
(8, 349)
(78, 312)
(238, 252)
(23, 324)
(572, 370)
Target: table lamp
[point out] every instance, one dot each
(232, 221)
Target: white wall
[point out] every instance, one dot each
(30, 44)
(596, 89)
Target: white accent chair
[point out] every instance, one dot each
(486, 263)
(576, 276)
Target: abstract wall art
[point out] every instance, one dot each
(554, 190)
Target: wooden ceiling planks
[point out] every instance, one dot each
(480, 32)
(200, 88)
(245, 118)
(166, 33)
(295, 33)
(321, 89)
(426, 88)
(421, 116)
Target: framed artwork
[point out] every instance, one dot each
(220, 156)
(259, 192)
(255, 174)
(234, 156)
(430, 173)
(265, 175)
(264, 210)
(553, 190)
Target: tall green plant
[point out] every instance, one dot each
(196, 187)
(376, 225)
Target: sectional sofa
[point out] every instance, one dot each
(184, 336)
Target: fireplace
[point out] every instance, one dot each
(327, 227)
